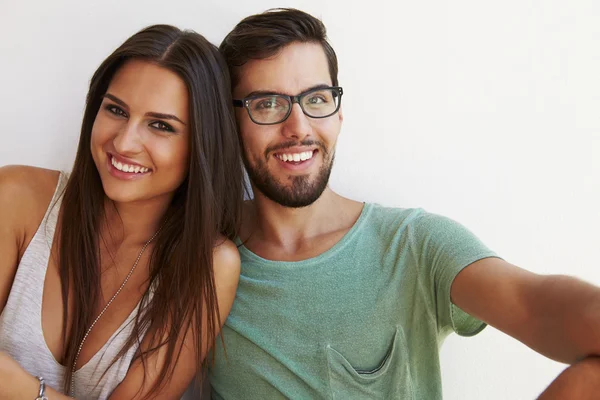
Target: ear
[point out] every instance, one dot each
(340, 114)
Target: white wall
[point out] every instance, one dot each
(487, 112)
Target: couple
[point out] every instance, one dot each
(116, 280)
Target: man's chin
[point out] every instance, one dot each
(294, 202)
(289, 196)
(295, 192)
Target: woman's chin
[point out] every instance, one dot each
(137, 191)
(121, 192)
(125, 197)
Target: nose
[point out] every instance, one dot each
(296, 126)
(128, 140)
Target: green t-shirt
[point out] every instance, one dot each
(363, 320)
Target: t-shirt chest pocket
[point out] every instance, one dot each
(390, 379)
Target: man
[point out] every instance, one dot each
(341, 299)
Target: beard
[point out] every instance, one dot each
(301, 191)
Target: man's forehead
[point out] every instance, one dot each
(295, 69)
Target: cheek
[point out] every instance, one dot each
(252, 146)
(97, 139)
(329, 130)
(170, 154)
(102, 131)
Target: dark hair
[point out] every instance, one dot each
(261, 36)
(207, 204)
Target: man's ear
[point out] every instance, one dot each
(340, 114)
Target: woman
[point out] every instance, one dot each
(115, 281)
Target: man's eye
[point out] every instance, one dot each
(267, 104)
(162, 126)
(316, 100)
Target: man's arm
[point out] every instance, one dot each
(580, 381)
(557, 316)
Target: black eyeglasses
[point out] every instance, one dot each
(270, 109)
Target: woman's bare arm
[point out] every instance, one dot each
(226, 271)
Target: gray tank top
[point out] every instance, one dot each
(21, 333)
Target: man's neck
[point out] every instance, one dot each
(283, 233)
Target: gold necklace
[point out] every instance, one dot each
(137, 260)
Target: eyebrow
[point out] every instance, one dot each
(164, 116)
(271, 92)
(149, 114)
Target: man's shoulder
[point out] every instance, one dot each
(380, 214)
(412, 215)
(396, 220)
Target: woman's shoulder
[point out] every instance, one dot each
(25, 193)
(20, 183)
(226, 260)
(226, 269)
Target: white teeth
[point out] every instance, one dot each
(128, 168)
(296, 157)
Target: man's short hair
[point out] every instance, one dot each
(264, 35)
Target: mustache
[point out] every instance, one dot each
(290, 144)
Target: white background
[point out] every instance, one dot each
(487, 112)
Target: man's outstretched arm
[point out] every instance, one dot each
(557, 316)
(581, 381)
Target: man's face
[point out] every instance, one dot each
(289, 162)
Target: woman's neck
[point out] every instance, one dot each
(132, 223)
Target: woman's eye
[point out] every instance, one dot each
(162, 126)
(116, 110)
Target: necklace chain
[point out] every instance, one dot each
(137, 260)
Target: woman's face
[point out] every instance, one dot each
(139, 140)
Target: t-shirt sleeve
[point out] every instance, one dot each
(445, 248)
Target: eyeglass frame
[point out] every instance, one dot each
(245, 103)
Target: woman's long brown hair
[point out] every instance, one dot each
(208, 203)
